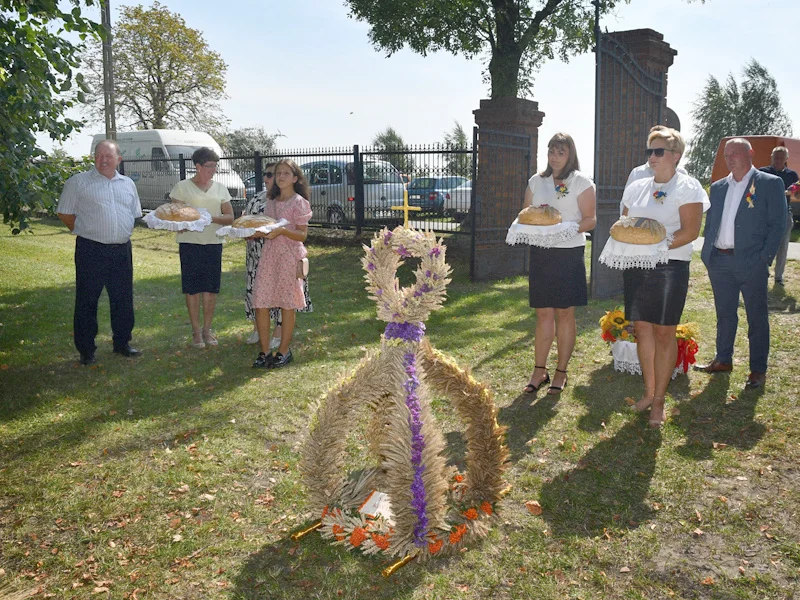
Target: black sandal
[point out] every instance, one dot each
(554, 389)
(530, 388)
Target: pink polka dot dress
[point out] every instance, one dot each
(276, 284)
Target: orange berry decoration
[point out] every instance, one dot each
(471, 514)
(487, 508)
(357, 537)
(381, 541)
(338, 531)
(435, 545)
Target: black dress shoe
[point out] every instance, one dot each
(127, 350)
(88, 359)
(281, 360)
(715, 366)
(755, 380)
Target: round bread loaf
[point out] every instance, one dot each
(177, 211)
(638, 230)
(252, 221)
(539, 215)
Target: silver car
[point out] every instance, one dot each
(333, 189)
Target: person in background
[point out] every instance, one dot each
(743, 230)
(100, 207)
(277, 283)
(201, 251)
(557, 280)
(654, 298)
(780, 157)
(255, 206)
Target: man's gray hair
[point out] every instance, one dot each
(783, 149)
(112, 143)
(739, 141)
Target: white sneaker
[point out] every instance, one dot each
(274, 343)
(253, 339)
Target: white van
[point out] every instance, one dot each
(150, 158)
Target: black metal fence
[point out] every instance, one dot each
(350, 187)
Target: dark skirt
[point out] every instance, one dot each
(557, 278)
(657, 295)
(201, 267)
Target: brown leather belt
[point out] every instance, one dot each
(724, 250)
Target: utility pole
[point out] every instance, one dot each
(108, 72)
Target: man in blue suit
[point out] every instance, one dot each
(743, 231)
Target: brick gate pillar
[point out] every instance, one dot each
(633, 64)
(507, 143)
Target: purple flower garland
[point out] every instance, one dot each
(418, 502)
(413, 332)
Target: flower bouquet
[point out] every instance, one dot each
(794, 192)
(618, 332)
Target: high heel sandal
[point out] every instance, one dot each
(197, 339)
(639, 408)
(530, 388)
(657, 423)
(554, 389)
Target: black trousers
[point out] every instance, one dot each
(99, 266)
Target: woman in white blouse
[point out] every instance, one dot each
(654, 298)
(557, 279)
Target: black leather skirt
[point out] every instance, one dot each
(657, 295)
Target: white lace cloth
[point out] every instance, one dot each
(621, 255)
(626, 360)
(153, 222)
(544, 236)
(243, 232)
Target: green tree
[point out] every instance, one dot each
(38, 85)
(246, 141)
(165, 75)
(517, 35)
(390, 142)
(750, 108)
(457, 164)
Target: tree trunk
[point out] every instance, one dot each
(507, 53)
(504, 73)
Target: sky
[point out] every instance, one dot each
(307, 71)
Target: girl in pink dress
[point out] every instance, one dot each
(277, 284)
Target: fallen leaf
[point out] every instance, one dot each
(100, 590)
(533, 507)
(177, 537)
(675, 411)
(629, 401)
(209, 497)
(722, 498)
(698, 532)
(699, 516)
(707, 581)
(625, 570)
(719, 445)
(741, 569)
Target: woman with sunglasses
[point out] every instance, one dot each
(255, 246)
(654, 298)
(201, 251)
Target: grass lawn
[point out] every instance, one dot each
(175, 475)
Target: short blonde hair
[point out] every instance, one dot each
(672, 139)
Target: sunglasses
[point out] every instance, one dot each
(269, 174)
(659, 152)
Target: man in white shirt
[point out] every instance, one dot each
(743, 231)
(100, 206)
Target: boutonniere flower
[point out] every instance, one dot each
(561, 190)
(751, 195)
(659, 196)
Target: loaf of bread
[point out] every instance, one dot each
(177, 211)
(539, 215)
(252, 221)
(638, 230)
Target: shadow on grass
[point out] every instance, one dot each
(524, 417)
(607, 488)
(312, 567)
(715, 417)
(782, 301)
